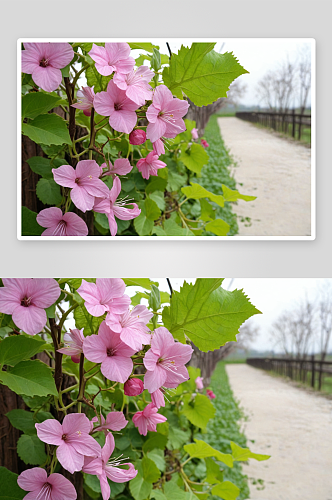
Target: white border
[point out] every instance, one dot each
(178, 238)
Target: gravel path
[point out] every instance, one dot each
(277, 171)
(291, 425)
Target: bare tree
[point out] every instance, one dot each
(277, 88)
(325, 318)
(304, 75)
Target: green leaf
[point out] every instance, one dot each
(96, 79)
(31, 378)
(142, 224)
(194, 158)
(198, 411)
(84, 320)
(36, 103)
(30, 226)
(151, 472)
(201, 73)
(47, 129)
(155, 60)
(213, 472)
(139, 488)
(242, 454)
(177, 437)
(142, 282)
(48, 192)
(157, 184)
(25, 420)
(207, 212)
(174, 492)
(158, 495)
(154, 299)
(195, 192)
(31, 450)
(143, 46)
(175, 181)
(171, 228)
(43, 166)
(10, 490)
(203, 450)
(157, 441)
(218, 227)
(157, 456)
(151, 209)
(159, 199)
(207, 314)
(226, 490)
(234, 195)
(17, 348)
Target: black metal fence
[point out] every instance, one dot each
(308, 371)
(296, 125)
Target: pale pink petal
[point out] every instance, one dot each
(176, 377)
(69, 458)
(103, 103)
(162, 339)
(85, 168)
(180, 353)
(122, 166)
(117, 368)
(115, 191)
(50, 432)
(32, 479)
(49, 217)
(134, 338)
(173, 129)
(81, 199)
(10, 298)
(158, 147)
(99, 54)
(92, 466)
(152, 113)
(47, 78)
(108, 448)
(120, 475)
(60, 54)
(157, 398)
(117, 50)
(125, 65)
(105, 70)
(89, 292)
(116, 421)
(75, 225)
(30, 61)
(137, 94)
(44, 291)
(95, 187)
(153, 380)
(155, 130)
(177, 107)
(122, 120)
(141, 422)
(75, 422)
(105, 487)
(94, 348)
(102, 205)
(150, 359)
(84, 444)
(110, 288)
(32, 495)
(30, 319)
(161, 97)
(120, 304)
(124, 213)
(65, 176)
(62, 488)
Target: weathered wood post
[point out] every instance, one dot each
(313, 371)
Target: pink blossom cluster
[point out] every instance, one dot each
(126, 93)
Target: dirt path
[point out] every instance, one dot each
(275, 170)
(291, 425)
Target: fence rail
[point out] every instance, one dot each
(292, 124)
(308, 371)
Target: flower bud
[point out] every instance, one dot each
(76, 359)
(137, 137)
(133, 387)
(204, 143)
(210, 394)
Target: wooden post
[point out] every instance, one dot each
(293, 130)
(320, 375)
(313, 371)
(300, 123)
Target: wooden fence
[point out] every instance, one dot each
(308, 371)
(292, 124)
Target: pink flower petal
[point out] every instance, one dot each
(116, 421)
(62, 488)
(103, 104)
(117, 368)
(60, 54)
(105, 487)
(49, 217)
(65, 176)
(81, 198)
(47, 78)
(44, 291)
(124, 213)
(75, 225)
(30, 319)
(155, 130)
(115, 191)
(50, 432)
(120, 475)
(75, 422)
(87, 167)
(123, 120)
(92, 466)
(84, 444)
(110, 288)
(108, 448)
(32, 479)
(153, 380)
(69, 458)
(122, 166)
(95, 349)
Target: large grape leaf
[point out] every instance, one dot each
(234, 195)
(200, 449)
(37, 103)
(198, 411)
(17, 348)
(242, 454)
(47, 129)
(30, 226)
(226, 490)
(207, 314)
(194, 157)
(201, 73)
(31, 450)
(31, 378)
(196, 192)
(9, 489)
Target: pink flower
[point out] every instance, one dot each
(204, 143)
(73, 344)
(84, 183)
(194, 133)
(72, 438)
(68, 224)
(41, 487)
(133, 387)
(115, 421)
(120, 109)
(157, 398)
(199, 383)
(165, 361)
(113, 208)
(158, 147)
(137, 137)
(150, 165)
(43, 61)
(132, 326)
(121, 167)
(112, 57)
(136, 84)
(26, 300)
(165, 114)
(113, 354)
(104, 468)
(210, 394)
(85, 100)
(106, 295)
(148, 419)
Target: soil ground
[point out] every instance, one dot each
(277, 171)
(291, 425)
